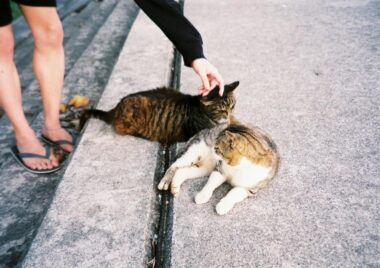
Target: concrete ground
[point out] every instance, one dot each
(310, 76)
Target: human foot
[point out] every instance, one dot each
(31, 145)
(59, 136)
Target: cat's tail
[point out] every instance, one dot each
(106, 116)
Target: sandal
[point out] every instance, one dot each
(19, 156)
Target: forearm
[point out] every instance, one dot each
(168, 16)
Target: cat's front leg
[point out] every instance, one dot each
(187, 158)
(184, 174)
(235, 195)
(167, 179)
(216, 179)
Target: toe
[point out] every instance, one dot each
(39, 166)
(174, 191)
(67, 148)
(48, 164)
(54, 161)
(32, 166)
(166, 186)
(161, 185)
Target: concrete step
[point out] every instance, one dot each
(27, 196)
(102, 213)
(314, 94)
(73, 6)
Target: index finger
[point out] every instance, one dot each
(205, 82)
(220, 82)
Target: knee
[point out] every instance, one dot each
(49, 36)
(6, 44)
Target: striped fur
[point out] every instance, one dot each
(166, 115)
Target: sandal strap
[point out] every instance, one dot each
(63, 142)
(32, 155)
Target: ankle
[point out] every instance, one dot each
(25, 139)
(25, 134)
(51, 127)
(45, 129)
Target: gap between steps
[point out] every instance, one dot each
(162, 237)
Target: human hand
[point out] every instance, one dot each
(209, 75)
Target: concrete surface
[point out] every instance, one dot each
(101, 215)
(310, 76)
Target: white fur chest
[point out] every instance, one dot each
(246, 174)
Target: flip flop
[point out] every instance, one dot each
(19, 156)
(58, 142)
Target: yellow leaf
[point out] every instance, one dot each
(62, 108)
(79, 101)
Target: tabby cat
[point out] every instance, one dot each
(166, 115)
(246, 157)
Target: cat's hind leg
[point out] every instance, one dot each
(187, 173)
(235, 195)
(216, 179)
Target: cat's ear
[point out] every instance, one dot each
(230, 87)
(231, 142)
(214, 93)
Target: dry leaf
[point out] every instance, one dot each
(62, 108)
(79, 101)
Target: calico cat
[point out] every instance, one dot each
(166, 115)
(246, 157)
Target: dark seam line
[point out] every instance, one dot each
(162, 249)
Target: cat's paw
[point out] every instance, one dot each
(167, 179)
(202, 197)
(223, 207)
(174, 189)
(164, 183)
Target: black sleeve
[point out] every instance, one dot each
(167, 14)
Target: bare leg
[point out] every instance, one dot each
(48, 65)
(216, 179)
(235, 195)
(184, 174)
(10, 100)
